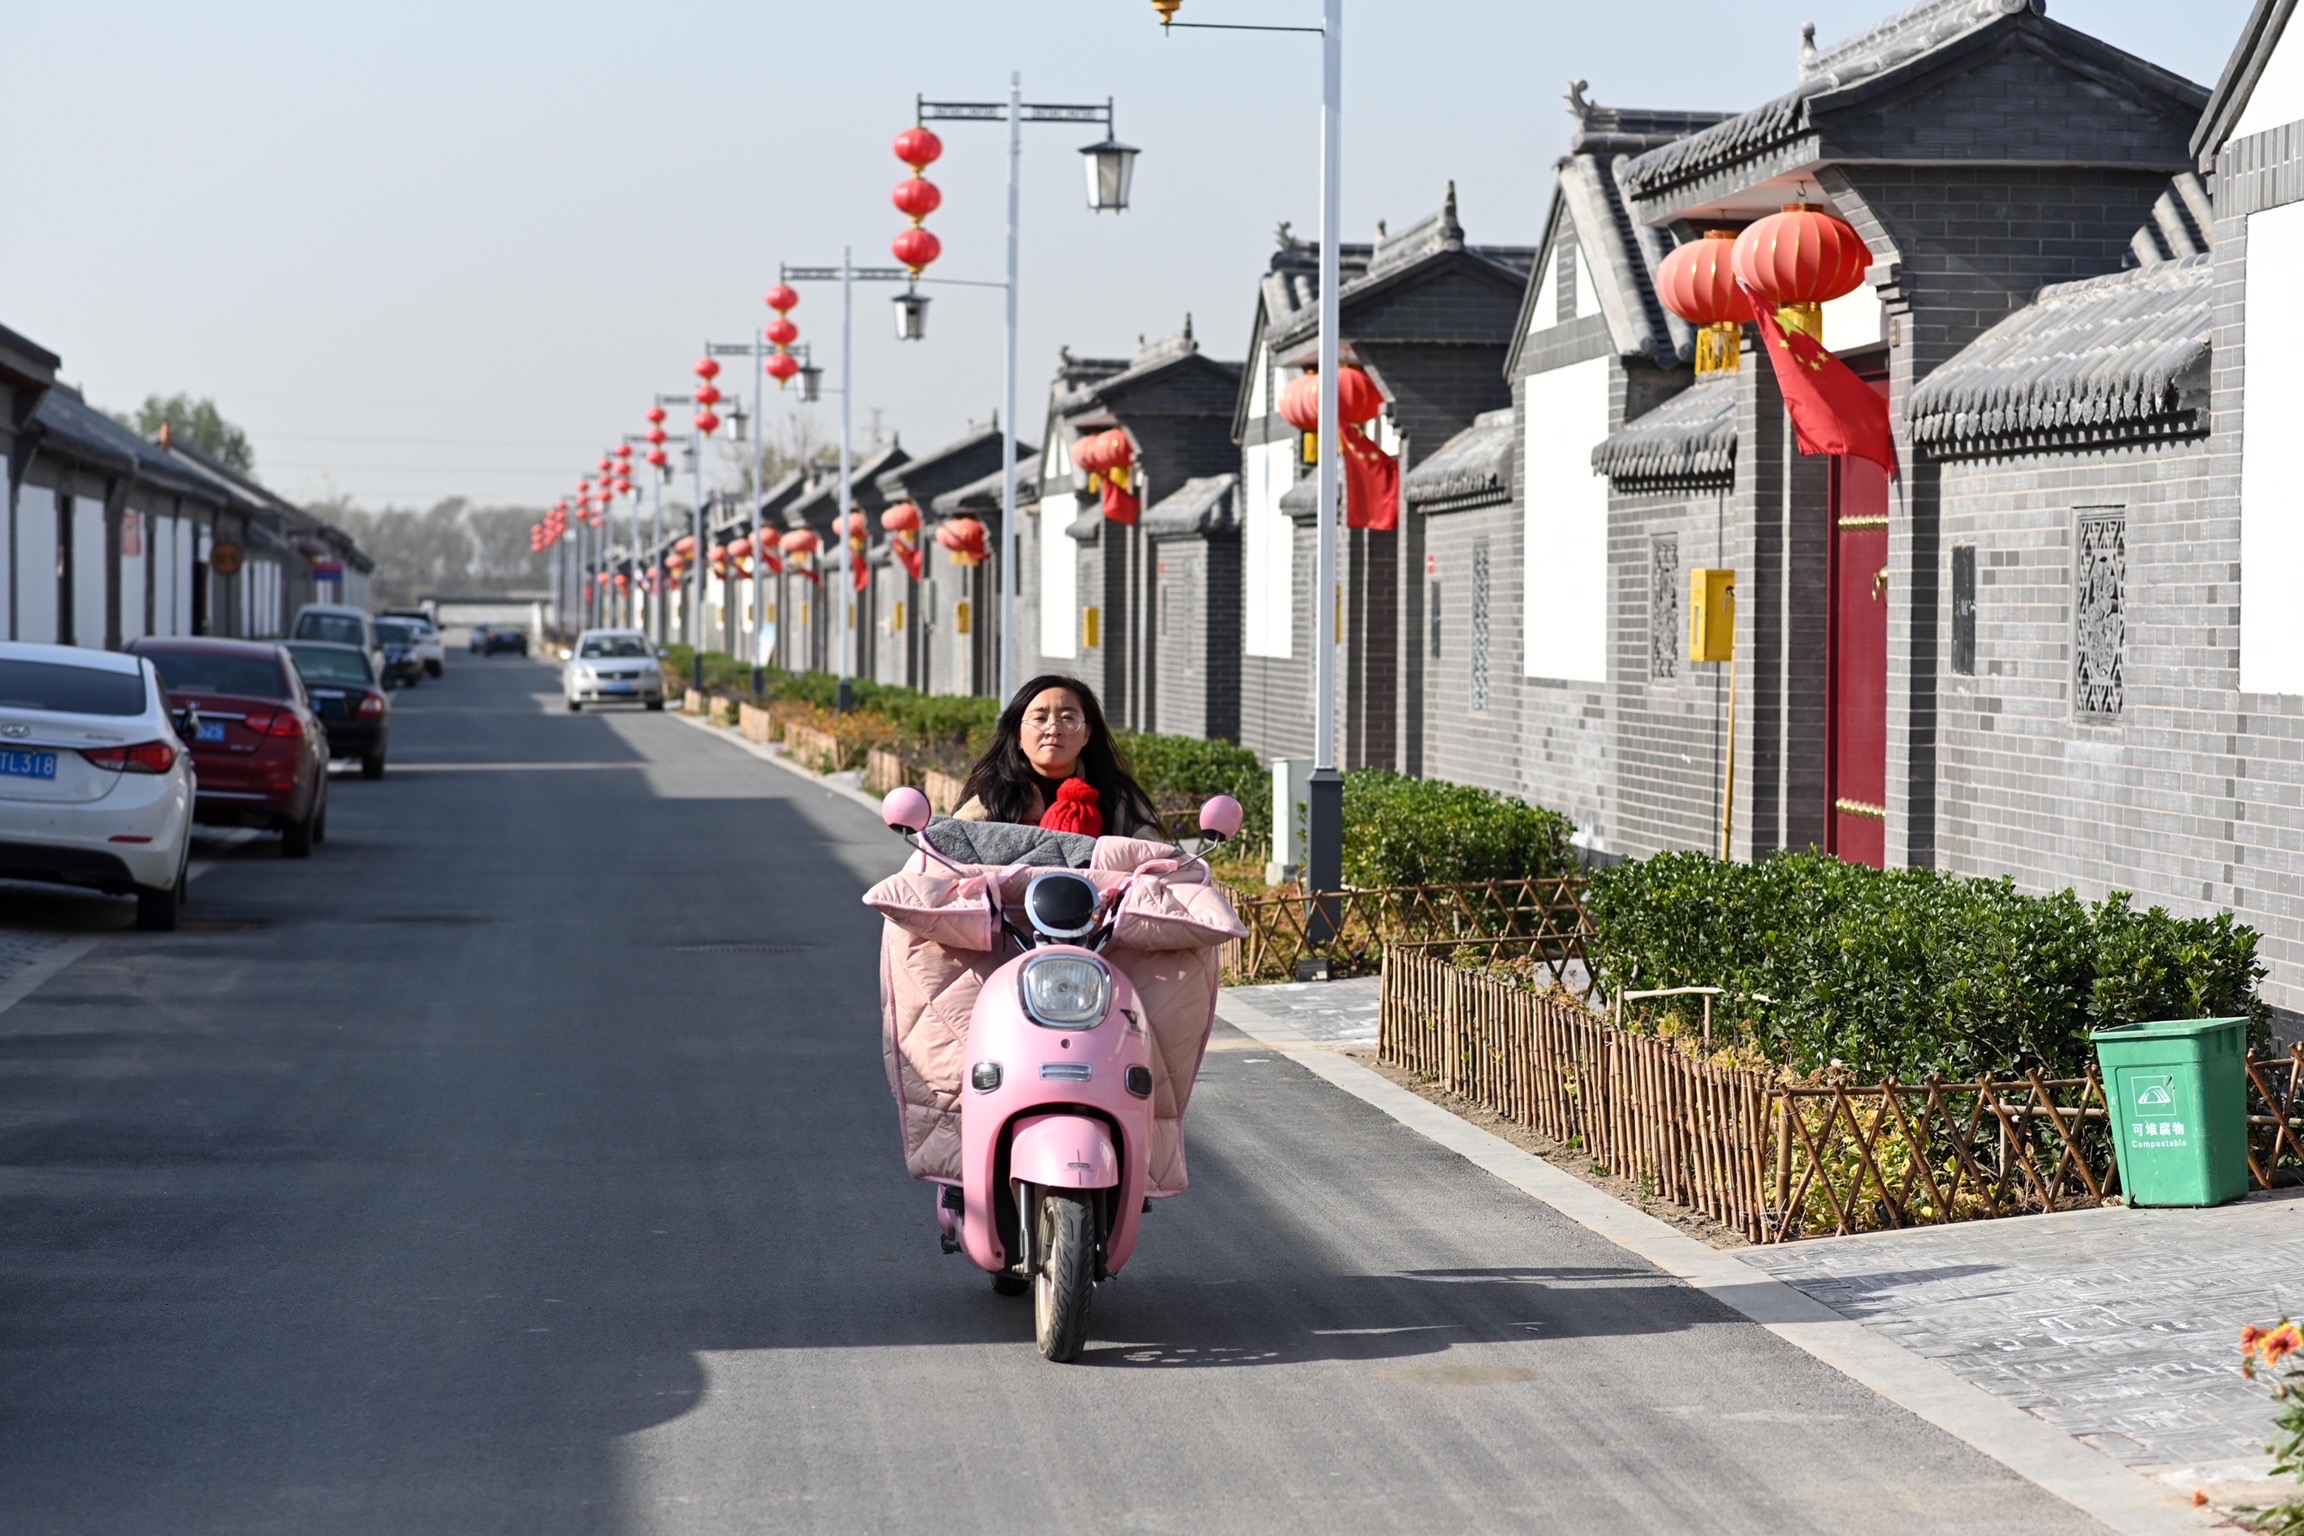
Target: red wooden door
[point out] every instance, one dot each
(1856, 680)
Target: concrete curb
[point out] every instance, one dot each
(776, 756)
(2123, 1500)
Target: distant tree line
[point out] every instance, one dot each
(450, 546)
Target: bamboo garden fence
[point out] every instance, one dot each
(1778, 1160)
(1539, 921)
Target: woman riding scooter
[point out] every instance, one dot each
(1048, 980)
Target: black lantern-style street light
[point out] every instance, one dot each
(911, 315)
(1111, 165)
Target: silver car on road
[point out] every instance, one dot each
(613, 666)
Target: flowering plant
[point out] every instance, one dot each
(2273, 1350)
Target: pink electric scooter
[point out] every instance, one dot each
(1056, 1123)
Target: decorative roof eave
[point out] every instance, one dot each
(1088, 526)
(2183, 426)
(1507, 266)
(1688, 440)
(2087, 362)
(1471, 469)
(983, 494)
(1206, 506)
(1616, 259)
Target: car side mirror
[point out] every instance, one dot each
(1220, 818)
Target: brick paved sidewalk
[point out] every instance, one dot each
(2119, 1326)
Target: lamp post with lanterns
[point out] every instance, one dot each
(1324, 807)
(1111, 166)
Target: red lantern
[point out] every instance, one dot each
(1798, 260)
(1117, 452)
(658, 457)
(655, 415)
(708, 369)
(904, 517)
(917, 198)
(916, 248)
(656, 435)
(623, 450)
(1697, 282)
(708, 394)
(782, 367)
(781, 298)
(1088, 454)
(780, 332)
(964, 538)
(707, 423)
(800, 541)
(918, 148)
(1357, 399)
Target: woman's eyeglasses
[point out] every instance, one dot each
(1067, 721)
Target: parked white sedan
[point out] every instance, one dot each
(96, 788)
(613, 666)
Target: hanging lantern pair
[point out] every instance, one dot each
(1371, 475)
(1797, 260)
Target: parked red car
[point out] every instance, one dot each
(260, 752)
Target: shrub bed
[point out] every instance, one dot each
(1404, 831)
(1835, 966)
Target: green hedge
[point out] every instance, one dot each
(1404, 831)
(1910, 971)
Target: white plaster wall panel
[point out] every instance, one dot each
(1854, 319)
(88, 572)
(2278, 97)
(1269, 550)
(135, 549)
(1059, 583)
(1545, 312)
(188, 539)
(1565, 528)
(160, 549)
(36, 564)
(1587, 291)
(2272, 458)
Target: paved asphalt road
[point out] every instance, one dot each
(523, 1163)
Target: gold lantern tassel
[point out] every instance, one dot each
(1807, 319)
(1719, 348)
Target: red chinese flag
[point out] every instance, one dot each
(1832, 410)
(1120, 504)
(1371, 484)
(862, 571)
(907, 547)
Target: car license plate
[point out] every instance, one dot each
(15, 763)
(614, 687)
(210, 730)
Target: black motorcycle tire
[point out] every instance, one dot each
(1066, 1278)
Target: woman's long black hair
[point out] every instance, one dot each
(1004, 780)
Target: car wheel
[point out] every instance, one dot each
(372, 766)
(656, 706)
(320, 825)
(296, 838)
(574, 707)
(434, 668)
(156, 910)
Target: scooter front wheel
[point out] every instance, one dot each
(1066, 1276)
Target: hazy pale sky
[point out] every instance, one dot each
(426, 249)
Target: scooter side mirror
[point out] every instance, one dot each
(905, 809)
(1220, 818)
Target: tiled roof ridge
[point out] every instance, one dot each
(1473, 468)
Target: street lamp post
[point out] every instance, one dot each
(848, 274)
(1111, 165)
(1324, 805)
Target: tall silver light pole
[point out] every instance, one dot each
(759, 505)
(1324, 808)
(1110, 166)
(699, 563)
(849, 274)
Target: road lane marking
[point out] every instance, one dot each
(2033, 1449)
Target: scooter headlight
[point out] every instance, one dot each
(1065, 991)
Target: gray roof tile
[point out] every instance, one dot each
(1209, 504)
(2107, 359)
(1473, 468)
(1689, 438)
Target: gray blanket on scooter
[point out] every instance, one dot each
(1002, 843)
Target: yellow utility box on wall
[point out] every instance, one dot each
(1092, 627)
(1711, 615)
(960, 617)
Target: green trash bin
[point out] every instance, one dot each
(2179, 1098)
